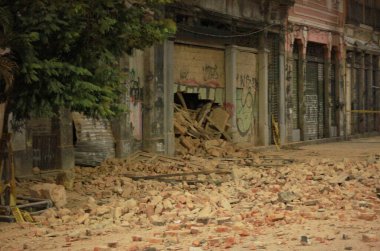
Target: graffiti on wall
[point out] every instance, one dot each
(134, 102)
(245, 102)
(211, 75)
(198, 66)
(209, 78)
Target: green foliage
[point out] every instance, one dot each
(68, 51)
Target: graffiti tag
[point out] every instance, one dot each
(210, 72)
(245, 103)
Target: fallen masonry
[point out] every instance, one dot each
(203, 203)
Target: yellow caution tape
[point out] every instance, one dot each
(363, 111)
(17, 214)
(276, 133)
(27, 217)
(21, 216)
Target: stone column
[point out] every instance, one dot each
(369, 99)
(377, 91)
(168, 52)
(263, 97)
(159, 99)
(230, 68)
(350, 79)
(301, 88)
(120, 133)
(362, 96)
(120, 130)
(63, 127)
(282, 92)
(328, 109)
(148, 101)
(340, 80)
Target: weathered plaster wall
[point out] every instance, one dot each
(246, 96)
(198, 66)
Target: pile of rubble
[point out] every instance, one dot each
(217, 203)
(204, 130)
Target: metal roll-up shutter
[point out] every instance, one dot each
(311, 101)
(295, 96)
(45, 149)
(273, 79)
(321, 107)
(314, 93)
(355, 99)
(333, 96)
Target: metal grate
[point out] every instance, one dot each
(314, 93)
(295, 96)
(333, 94)
(311, 101)
(273, 79)
(45, 151)
(322, 128)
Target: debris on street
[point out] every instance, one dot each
(203, 203)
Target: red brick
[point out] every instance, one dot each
(195, 230)
(229, 242)
(196, 243)
(136, 238)
(171, 233)
(370, 238)
(174, 227)
(214, 242)
(149, 211)
(155, 240)
(222, 229)
(243, 233)
(367, 216)
(181, 199)
(133, 247)
(101, 249)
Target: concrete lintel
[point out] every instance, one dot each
(241, 48)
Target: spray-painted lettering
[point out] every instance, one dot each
(245, 96)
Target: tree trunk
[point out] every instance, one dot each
(2, 118)
(6, 173)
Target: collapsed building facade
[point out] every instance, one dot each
(308, 69)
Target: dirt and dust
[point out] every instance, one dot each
(316, 197)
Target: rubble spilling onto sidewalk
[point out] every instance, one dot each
(204, 130)
(217, 202)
